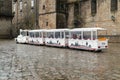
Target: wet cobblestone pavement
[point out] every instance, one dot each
(28, 62)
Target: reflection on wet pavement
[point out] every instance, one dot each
(28, 62)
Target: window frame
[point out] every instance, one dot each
(93, 7)
(114, 5)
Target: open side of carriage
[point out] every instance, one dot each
(57, 37)
(37, 37)
(88, 39)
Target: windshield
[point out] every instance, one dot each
(24, 33)
(101, 34)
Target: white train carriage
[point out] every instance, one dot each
(22, 37)
(57, 37)
(88, 39)
(37, 37)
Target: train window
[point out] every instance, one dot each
(37, 34)
(87, 35)
(102, 33)
(31, 34)
(94, 35)
(22, 33)
(66, 35)
(73, 35)
(50, 34)
(25, 33)
(57, 34)
(76, 35)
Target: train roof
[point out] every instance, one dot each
(87, 29)
(37, 30)
(24, 30)
(55, 30)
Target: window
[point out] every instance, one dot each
(46, 23)
(61, 6)
(76, 35)
(37, 34)
(86, 35)
(114, 5)
(66, 35)
(93, 7)
(1, 3)
(32, 3)
(101, 34)
(43, 7)
(50, 34)
(14, 7)
(76, 9)
(21, 6)
(31, 34)
(94, 35)
(57, 34)
(22, 33)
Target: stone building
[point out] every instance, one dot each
(95, 13)
(5, 18)
(25, 15)
(67, 14)
(52, 14)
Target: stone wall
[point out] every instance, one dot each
(103, 17)
(25, 17)
(47, 21)
(49, 16)
(61, 21)
(5, 19)
(5, 7)
(5, 28)
(114, 39)
(47, 6)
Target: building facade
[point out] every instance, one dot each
(25, 15)
(52, 14)
(5, 18)
(47, 14)
(95, 13)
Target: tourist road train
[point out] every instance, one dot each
(92, 39)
